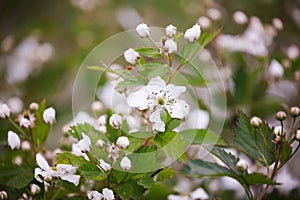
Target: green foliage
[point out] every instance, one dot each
(151, 70)
(92, 172)
(206, 38)
(22, 177)
(149, 52)
(255, 142)
(165, 174)
(124, 191)
(146, 181)
(202, 136)
(41, 130)
(77, 130)
(69, 158)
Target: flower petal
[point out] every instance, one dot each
(139, 99)
(158, 124)
(42, 163)
(71, 178)
(177, 109)
(156, 84)
(174, 91)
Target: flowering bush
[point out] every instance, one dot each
(130, 154)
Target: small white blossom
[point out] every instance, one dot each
(276, 69)
(108, 194)
(171, 30)
(34, 106)
(214, 13)
(199, 193)
(13, 140)
(77, 151)
(104, 165)
(49, 115)
(295, 111)
(278, 131)
(25, 123)
(102, 120)
(123, 142)
(100, 143)
(17, 160)
(103, 129)
(242, 165)
(113, 151)
(277, 23)
(192, 34)
(67, 173)
(34, 189)
(297, 135)
(170, 45)
(240, 17)
(125, 163)
(4, 111)
(131, 56)
(3, 195)
(156, 96)
(255, 121)
(143, 30)
(115, 121)
(293, 52)
(204, 22)
(97, 106)
(85, 143)
(94, 195)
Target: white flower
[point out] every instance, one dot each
(131, 56)
(143, 30)
(278, 131)
(171, 30)
(293, 52)
(97, 106)
(49, 115)
(295, 111)
(240, 17)
(242, 165)
(44, 173)
(255, 121)
(113, 151)
(77, 151)
(170, 45)
(4, 111)
(102, 120)
(123, 142)
(297, 135)
(13, 140)
(67, 173)
(276, 69)
(85, 143)
(156, 96)
(108, 194)
(115, 121)
(24, 122)
(192, 34)
(104, 165)
(34, 106)
(199, 193)
(94, 195)
(125, 163)
(34, 189)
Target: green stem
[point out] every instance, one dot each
(123, 179)
(17, 127)
(291, 128)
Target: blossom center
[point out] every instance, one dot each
(160, 101)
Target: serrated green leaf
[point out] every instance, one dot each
(286, 152)
(256, 143)
(206, 38)
(202, 136)
(69, 158)
(138, 191)
(77, 130)
(165, 174)
(41, 130)
(91, 171)
(135, 143)
(124, 190)
(146, 181)
(22, 178)
(132, 82)
(149, 52)
(258, 179)
(151, 70)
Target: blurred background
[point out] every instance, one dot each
(44, 42)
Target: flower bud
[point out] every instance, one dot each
(280, 115)
(104, 165)
(297, 135)
(242, 165)
(192, 34)
(13, 140)
(143, 30)
(131, 56)
(3, 195)
(49, 115)
(171, 31)
(34, 106)
(108, 194)
(100, 143)
(25, 146)
(255, 121)
(123, 142)
(94, 195)
(278, 131)
(115, 121)
(102, 120)
(34, 189)
(171, 45)
(295, 111)
(4, 111)
(97, 106)
(125, 163)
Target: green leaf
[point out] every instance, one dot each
(206, 38)
(138, 191)
(151, 70)
(149, 52)
(173, 123)
(69, 158)
(202, 136)
(286, 152)
(91, 171)
(77, 130)
(165, 174)
(124, 190)
(22, 178)
(41, 130)
(258, 179)
(123, 73)
(132, 82)
(135, 143)
(146, 181)
(256, 143)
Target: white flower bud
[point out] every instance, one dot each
(3, 195)
(17, 160)
(171, 45)
(242, 165)
(294, 111)
(297, 135)
(143, 30)
(192, 34)
(25, 146)
(4, 111)
(34, 106)
(115, 121)
(204, 22)
(100, 143)
(280, 115)
(278, 131)
(13, 140)
(102, 120)
(214, 13)
(49, 115)
(277, 23)
(255, 121)
(34, 189)
(97, 106)
(131, 56)
(275, 69)
(292, 52)
(94, 195)
(123, 142)
(104, 165)
(125, 163)
(171, 30)
(108, 194)
(85, 143)
(103, 129)
(240, 17)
